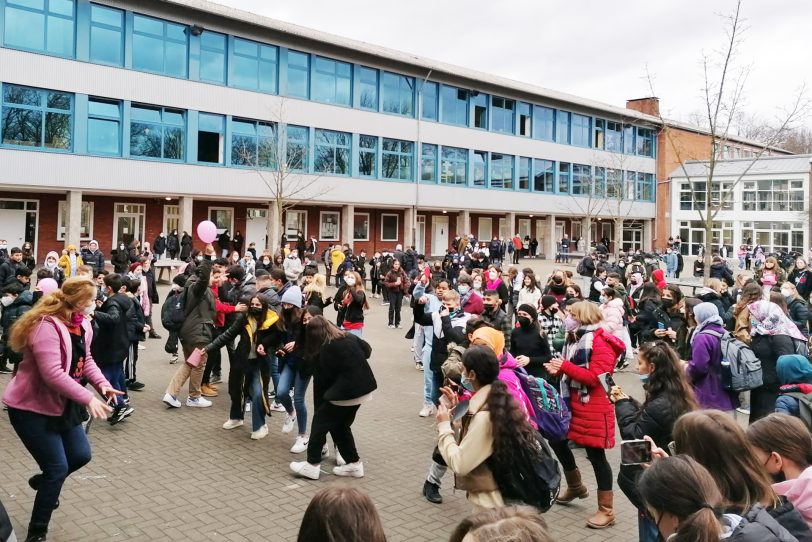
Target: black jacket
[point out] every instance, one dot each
(185, 246)
(152, 290)
(111, 342)
(529, 342)
(342, 371)
(799, 314)
(354, 310)
(172, 242)
(768, 348)
(650, 317)
(758, 525)
(721, 271)
(94, 260)
(159, 246)
(713, 297)
(790, 519)
(268, 335)
(8, 271)
(199, 308)
(802, 280)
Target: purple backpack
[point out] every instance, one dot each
(550, 412)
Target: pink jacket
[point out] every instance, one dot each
(799, 493)
(508, 376)
(613, 316)
(42, 382)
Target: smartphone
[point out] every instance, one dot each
(635, 452)
(607, 382)
(660, 325)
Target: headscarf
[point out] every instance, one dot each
(705, 315)
(769, 319)
(794, 369)
(658, 278)
(491, 337)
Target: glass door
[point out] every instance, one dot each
(128, 223)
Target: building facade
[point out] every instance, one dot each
(124, 119)
(759, 203)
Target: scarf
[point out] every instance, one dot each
(493, 284)
(705, 314)
(578, 353)
(767, 318)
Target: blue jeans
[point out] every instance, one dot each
(115, 376)
(290, 376)
(429, 389)
(647, 530)
(256, 391)
(357, 332)
(57, 454)
(274, 372)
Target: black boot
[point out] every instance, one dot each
(37, 533)
(432, 492)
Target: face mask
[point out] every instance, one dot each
(255, 312)
(488, 309)
(525, 322)
(667, 303)
(493, 275)
(122, 247)
(50, 264)
(200, 258)
(87, 311)
(604, 299)
(477, 285)
(643, 377)
(570, 323)
(558, 280)
(569, 296)
(266, 261)
(553, 310)
(6, 300)
(463, 289)
(350, 280)
(466, 383)
(786, 293)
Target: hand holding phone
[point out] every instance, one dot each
(607, 382)
(635, 452)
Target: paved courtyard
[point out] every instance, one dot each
(177, 475)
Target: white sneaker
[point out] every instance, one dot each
(142, 347)
(290, 420)
(248, 406)
(277, 407)
(300, 445)
(171, 401)
(306, 470)
(355, 470)
(200, 402)
(231, 424)
(427, 410)
(339, 460)
(262, 432)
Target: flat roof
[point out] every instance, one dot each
(796, 163)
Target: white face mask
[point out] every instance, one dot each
(87, 311)
(50, 264)
(6, 300)
(350, 280)
(786, 293)
(493, 275)
(463, 289)
(477, 284)
(200, 258)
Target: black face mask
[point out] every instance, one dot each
(569, 296)
(489, 308)
(667, 303)
(779, 477)
(558, 280)
(525, 322)
(553, 310)
(256, 313)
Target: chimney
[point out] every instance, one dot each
(647, 106)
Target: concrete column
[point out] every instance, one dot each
(185, 223)
(647, 235)
(586, 235)
(550, 248)
(347, 223)
(73, 218)
(409, 227)
(463, 223)
(510, 222)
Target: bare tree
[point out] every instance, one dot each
(588, 195)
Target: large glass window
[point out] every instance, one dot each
(398, 94)
(397, 159)
(429, 97)
(543, 123)
(479, 104)
(645, 142)
(599, 134)
(297, 148)
(524, 119)
(159, 46)
(501, 171)
(454, 166)
(332, 152)
(581, 180)
(255, 66)
(628, 139)
(103, 126)
(580, 130)
(332, 81)
(298, 74)
(720, 194)
(524, 173)
(213, 57)
(543, 175)
(564, 177)
(614, 184)
(157, 132)
(599, 184)
(614, 136)
(367, 155)
(562, 127)
(772, 195)
(428, 163)
(480, 168)
(37, 118)
(368, 88)
(211, 133)
(455, 105)
(502, 114)
(106, 35)
(644, 190)
(41, 25)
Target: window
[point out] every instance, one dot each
(159, 46)
(581, 180)
(223, 218)
(106, 35)
(429, 98)
(631, 177)
(562, 127)
(103, 126)
(599, 134)
(455, 105)
(213, 57)
(428, 163)
(721, 197)
(614, 184)
(480, 168)
(389, 227)
(332, 152)
(328, 225)
(298, 74)
(397, 158)
(645, 142)
(501, 171)
(772, 195)
(524, 119)
(479, 101)
(368, 88)
(454, 166)
(502, 115)
(41, 25)
(255, 66)
(524, 173)
(367, 155)
(614, 136)
(37, 118)
(297, 149)
(564, 177)
(398, 94)
(543, 123)
(599, 187)
(253, 144)
(628, 139)
(644, 190)
(543, 175)
(580, 130)
(157, 132)
(332, 81)
(360, 227)
(85, 220)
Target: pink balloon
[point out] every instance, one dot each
(207, 231)
(47, 285)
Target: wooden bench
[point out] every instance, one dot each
(167, 266)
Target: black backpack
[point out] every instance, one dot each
(534, 481)
(173, 312)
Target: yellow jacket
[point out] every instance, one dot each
(64, 263)
(336, 258)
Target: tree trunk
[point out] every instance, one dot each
(274, 230)
(618, 234)
(707, 257)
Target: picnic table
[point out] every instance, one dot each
(167, 266)
(693, 286)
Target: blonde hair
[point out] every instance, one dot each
(451, 295)
(586, 312)
(714, 284)
(318, 285)
(790, 286)
(75, 292)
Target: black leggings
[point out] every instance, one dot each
(596, 456)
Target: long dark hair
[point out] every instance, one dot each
(318, 332)
(750, 293)
(341, 514)
(668, 378)
(650, 292)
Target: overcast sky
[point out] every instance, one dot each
(591, 48)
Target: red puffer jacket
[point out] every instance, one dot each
(593, 423)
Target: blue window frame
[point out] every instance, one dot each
(580, 130)
(211, 135)
(614, 136)
(614, 183)
(543, 123)
(562, 127)
(645, 142)
(501, 171)
(628, 139)
(599, 134)
(599, 187)
(255, 66)
(524, 173)
(581, 180)
(430, 106)
(644, 191)
(479, 106)
(543, 175)
(454, 166)
(368, 88)
(564, 169)
(297, 148)
(397, 159)
(157, 132)
(47, 26)
(524, 127)
(332, 151)
(298, 74)
(103, 126)
(253, 143)
(332, 81)
(428, 163)
(480, 169)
(159, 46)
(398, 94)
(367, 156)
(37, 118)
(455, 105)
(213, 57)
(106, 35)
(502, 115)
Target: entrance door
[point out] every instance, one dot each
(295, 222)
(256, 229)
(420, 241)
(128, 223)
(439, 235)
(12, 226)
(171, 218)
(559, 231)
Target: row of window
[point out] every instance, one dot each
(773, 236)
(166, 48)
(763, 195)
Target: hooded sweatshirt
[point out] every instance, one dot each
(799, 493)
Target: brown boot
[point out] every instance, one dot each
(605, 516)
(575, 488)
